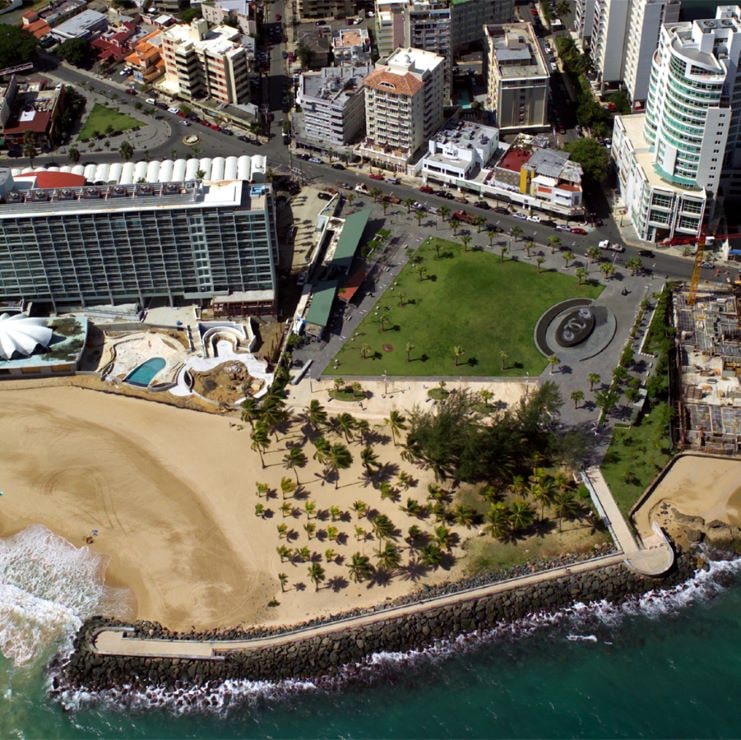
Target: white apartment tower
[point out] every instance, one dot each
(403, 105)
(684, 151)
(624, 35)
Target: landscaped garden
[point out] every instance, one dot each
(457, 312)
(104, 121)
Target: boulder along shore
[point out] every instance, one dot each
(318, 656)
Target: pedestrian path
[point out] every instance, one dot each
(653, 555)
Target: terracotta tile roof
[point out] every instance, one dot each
(568, 186)
(45, 179)
(384, 81)
(38, 28)
(514, 159)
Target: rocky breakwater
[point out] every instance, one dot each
(305, 656)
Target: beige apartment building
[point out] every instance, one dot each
(403, 105)
(325, 8)
(206, 63)
(518, 77)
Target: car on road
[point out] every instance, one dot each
(521, 216)
(501, 209)
(278, 17)
(617, 247)
(315, 160)
(172, 109)
(562, 227)
(461, 199)
(604, 244)
(338, 166)
(393, 180)
(548, 222)
(417, 206)
(305, 157)
(360, 188)
(376, 176)
(151, 101)
(534, 219)
(482, 204)
(578, 230)
(426, 189)
(131, 90)
(646, 253)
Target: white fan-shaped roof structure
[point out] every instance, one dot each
(22, 334)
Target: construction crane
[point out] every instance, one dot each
(696, 270)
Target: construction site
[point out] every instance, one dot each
(708, 325)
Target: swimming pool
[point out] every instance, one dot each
(142, 375)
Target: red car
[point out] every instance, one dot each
(578, 230)
(376, 176)
(426, 189)
(278, 17)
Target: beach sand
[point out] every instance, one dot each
(708, 487)
(172, 494)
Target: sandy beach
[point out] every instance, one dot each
(172, 494)
(708, 487)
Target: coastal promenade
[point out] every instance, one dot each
(116, 641)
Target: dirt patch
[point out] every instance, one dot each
(226, 383)
(271, 336)
(388, 348)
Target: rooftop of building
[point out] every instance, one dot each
(399, 84)
(633, 126)
(344, 38)
(80, 23)
(516, 50)
(241, 7)
(33, 107)
(334, 83)
(465, 133)
(514, 158)
(415, 61)
(68, 337)
(215, 40)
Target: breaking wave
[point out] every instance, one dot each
(580, 622)
(48, 587)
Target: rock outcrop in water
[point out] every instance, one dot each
(311, 657)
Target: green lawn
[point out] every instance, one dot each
(635, 455)
(101, 117)
(467, 299)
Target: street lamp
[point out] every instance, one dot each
(385, 383)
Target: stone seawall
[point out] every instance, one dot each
(311, 657)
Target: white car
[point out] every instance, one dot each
(562, 227)
(151, 101)
(604, 244)
(315, 160)
(172, 109)
(393, 180)
(521, 216)
(534, 219)
(615, 247)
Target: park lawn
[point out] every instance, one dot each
(635, 456)
(468, 299)
(101, 117)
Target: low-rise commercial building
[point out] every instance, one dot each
(518, 77)
(158, 230)
(403, 105)
(84, 25)
(332, 103)
(351, 46)
(31, 108)
(206, 63)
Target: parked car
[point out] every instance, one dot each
(338, 166)
(151, 101)
(604, 244)
(172, 109)
(617, 247)
(360, 188)
(393, 199)
(426, 189)
(646, 253)
(578, 230)
(547, 222)
(464, 216)
(315, 160)
(482, 204)
(376, 176)
(131, 90)
(324, 196)
(533, 219)
(562, 227)
(501, 209)
(521, 216)
(461, 199)
(278, 17)
(305, 157)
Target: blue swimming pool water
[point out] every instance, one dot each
(143, 374)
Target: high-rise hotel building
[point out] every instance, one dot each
(677, 158)
(163, 232)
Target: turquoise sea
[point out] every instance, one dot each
(667, 665)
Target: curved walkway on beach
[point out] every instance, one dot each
(115, 641)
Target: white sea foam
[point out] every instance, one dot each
(579, 621)
(48, 587)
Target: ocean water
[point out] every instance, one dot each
(665, 665)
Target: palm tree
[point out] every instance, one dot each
(567, 506)
(126, 151)
(368, 458)
(405, 480)
(529, 244)
(554, 242)
(73, 153)
(309, 508)
(359, 507)
(340, 458)
(593, 254)
(29, 146)
(295, 458)
(554, 362)
(282, 579)
(542, 493)
(375, 193)
(260, 441)
(260, 510)
(310, 529)
(365, 350)
(283, 552)
(479, 222)
(498, 521)
(608, 269)
(396, 422)
(389, 557)
(350, 197)
(581, 275)
(287, 487)
(521, 514)
(593, 378)
(323, 446)
(464, 515)
(316, 415)
(568, 255)
(634, 264)
(458, 352)
(419, 215)
(409, 348)
(317, 574)
(431, 555)
(503, 357)
(274, 414)
(250, 411)
(335, 513)
(346, 423)
(491, 235)
(577, 397)
(387, 490)
(282, 530)
(444, 537)
(454, 224)
(503, 250)
(383, 528)
(359, 567)
(359, 533)
(408, 202)
(330, 555)
(539, 260)
(443, 212)
(466, 239)
(286, 509)
(515, 233)
(261, 489)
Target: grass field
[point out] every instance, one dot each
(101, 117)
(635, 455)
(468, 299)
